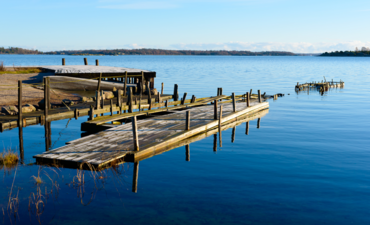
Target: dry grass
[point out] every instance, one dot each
(19, 71)
(9, 158)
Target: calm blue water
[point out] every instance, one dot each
(309, 163)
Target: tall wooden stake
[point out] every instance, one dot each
(248, 99)
(46, 98)
(183, 98)
(187, 123)
(176, 93)
(234, 104)
(125, 85)
(135, 134)
(215, 105)
(162, 89)
(259, 96)
(20, 118)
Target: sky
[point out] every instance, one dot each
(301, 26)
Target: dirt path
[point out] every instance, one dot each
(9, 94)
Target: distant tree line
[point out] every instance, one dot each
(364, 52)
(144, 51)
(15, 50)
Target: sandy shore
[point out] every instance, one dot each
(9, 94)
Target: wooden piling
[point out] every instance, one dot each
(234, 103)
(102, 99)
(85, 61)
(97, 96)
(176, 93)
(149, 96)
(250, 92)
(91, 113)
(99, 82)
(215, 105)
(119, 98)
(130, 101)
(97, 62)
(183, 98)
(259, 96)
(111, 107)
(77, 113)
(193, 99)
(187, 123)
(248, 99)
(159, 98)
(135, 134)
(162, 89)
(20, 118)
(219, 126)
(125, 85)
(63, 61)
(46, 98)
(142, 82)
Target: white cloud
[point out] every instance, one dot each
(298, 47)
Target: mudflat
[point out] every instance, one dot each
(31, 95)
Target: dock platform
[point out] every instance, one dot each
(154, 134)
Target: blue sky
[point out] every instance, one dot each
(256, 25)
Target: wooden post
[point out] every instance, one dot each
(97, 94)
(99, 82)
(220, 119)
(149, 96)
(233, 135)
(142, 82)
(250, 93)
(187, 122)
(46, 98)
(215, 142)
(259, 96)
(218, 91)
(91, 113)
(85, 60)
(166, 104)
(215, 105)
(130, 100)
(219, 125)
(234, 104)
(162, 89)
(97, 62)
(183, 98)
(125, 85)
(193, 99)
(248, 99)
(258, 123)
(135, 177)
(159, 98)
(152, 82)
(63, 61)
(111, 107)
(140, 102)
(135, 134)
(119, 98)
(187, 149)
(20, 118)
(77, 113)
(102, 99)
(176, 93)
(247, 128)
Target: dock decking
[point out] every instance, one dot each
(154, 134)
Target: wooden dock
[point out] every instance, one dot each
(154, 135)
